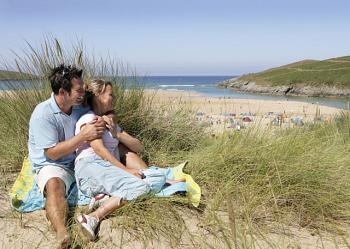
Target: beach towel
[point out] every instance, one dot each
(26, 197)
(189, 186)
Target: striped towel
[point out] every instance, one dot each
(26, 197)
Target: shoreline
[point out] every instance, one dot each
(194, 97)
(220, 114)
(294, 90)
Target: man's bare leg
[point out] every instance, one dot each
(132, 160)
(56, 209)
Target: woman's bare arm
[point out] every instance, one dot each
(99, 148)
(132, 143)
(129, 141)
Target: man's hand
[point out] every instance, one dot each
(136, 172)
(100, 122)
(88, 132)
(93, 129)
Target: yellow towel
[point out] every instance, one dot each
(194, 191)
(24, 182)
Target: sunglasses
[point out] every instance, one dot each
(66, 71)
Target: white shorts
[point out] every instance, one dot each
(51, 171)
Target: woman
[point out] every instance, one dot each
(97, 166)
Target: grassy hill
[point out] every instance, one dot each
(332, 72)
(10, 75)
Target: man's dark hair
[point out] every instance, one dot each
(61, 77)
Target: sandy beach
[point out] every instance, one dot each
(32, 230)
(221, 114)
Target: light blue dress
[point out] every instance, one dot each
(95, 176)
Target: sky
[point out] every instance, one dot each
(185, 37)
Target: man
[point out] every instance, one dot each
(52, 143)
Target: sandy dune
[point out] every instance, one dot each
(33, 230)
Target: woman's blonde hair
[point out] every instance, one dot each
(95, 87)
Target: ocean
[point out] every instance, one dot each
(203, 85)
(207, 86)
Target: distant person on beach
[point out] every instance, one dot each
(100, 173)
(52, 143)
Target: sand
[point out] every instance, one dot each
(221, 114)
(33, 230)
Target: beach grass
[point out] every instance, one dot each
(161, 129)
(250, 180)
(255, 182)
(304, 172)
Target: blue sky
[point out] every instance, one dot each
(185, 37)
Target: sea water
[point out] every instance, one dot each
(203, 85)
(207, 86)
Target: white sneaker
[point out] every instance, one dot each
(97, 201)
(88, 225)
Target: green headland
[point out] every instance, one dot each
(11, 75)
(329, 77)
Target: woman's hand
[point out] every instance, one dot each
(109, 122)
(136, 172)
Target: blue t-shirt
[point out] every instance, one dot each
(48, 126)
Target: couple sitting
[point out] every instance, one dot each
(64, 133)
